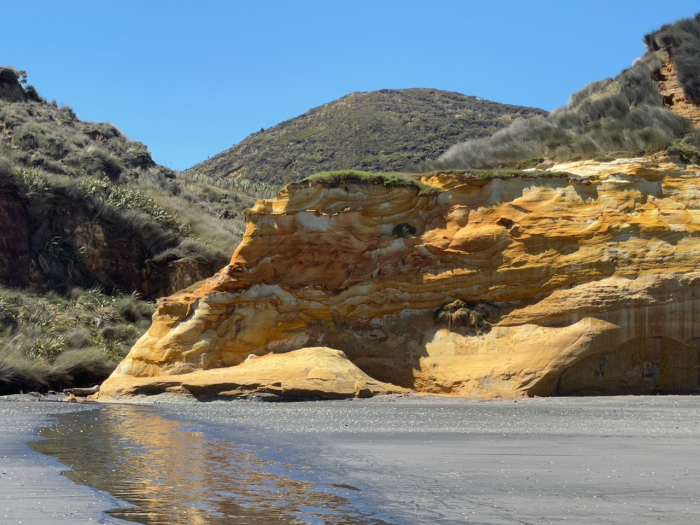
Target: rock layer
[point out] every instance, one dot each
(320, 373)
(674, 96)
(580, 280)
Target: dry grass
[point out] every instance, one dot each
(54, 342)
(621, 114)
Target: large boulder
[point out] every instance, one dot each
(310, 373)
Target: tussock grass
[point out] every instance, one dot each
(621, 114)
(80, 367)
(56, 341)
(21, 374)
(192, 249)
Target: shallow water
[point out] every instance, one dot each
(173, 474)
(392, 460)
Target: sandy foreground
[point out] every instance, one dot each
(608, 460)
(422, 460)
(32, 491)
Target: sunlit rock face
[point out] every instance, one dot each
(574, 283)
(674, 96)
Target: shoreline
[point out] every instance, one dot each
(32, 488)
(612, 460)
(423, 460)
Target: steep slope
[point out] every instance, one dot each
(88, 223)
(87, 206)
(647, 108)
(385, 130)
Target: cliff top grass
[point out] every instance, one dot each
(625, 113)
(389, 180)
(411, 180)
(505, 173)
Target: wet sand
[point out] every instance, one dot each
(392, 460)
(573, 460)
(32, 490)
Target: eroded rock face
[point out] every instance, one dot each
(573, 284)
(674, 96)
(321, 373)
(14, 240)
(92, 249)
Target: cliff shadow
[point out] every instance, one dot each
(641, 366)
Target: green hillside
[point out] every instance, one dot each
(622, 116)
(91, 226)
(386, 130)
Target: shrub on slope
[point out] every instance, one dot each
(55, 342)
(624, 115)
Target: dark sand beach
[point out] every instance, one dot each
(32, 491)
(394, 460)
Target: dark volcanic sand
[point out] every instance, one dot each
(31, 489)
(609, 460)
(414, 460)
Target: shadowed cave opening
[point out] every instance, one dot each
(645, 365)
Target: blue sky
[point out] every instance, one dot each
(190, 79)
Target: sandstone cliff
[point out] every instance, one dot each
(674, 96)
(578, 280)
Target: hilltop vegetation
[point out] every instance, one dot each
(90, 224)
(380, 131)
(54, 160)
(621, 116)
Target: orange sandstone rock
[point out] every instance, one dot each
(549, 284)
(673, 94)
(301, 374)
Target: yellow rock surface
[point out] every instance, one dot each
(590, 278)
(307, 373)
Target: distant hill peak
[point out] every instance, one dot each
(384, 130)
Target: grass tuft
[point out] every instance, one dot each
(388, 180)
(55, 341)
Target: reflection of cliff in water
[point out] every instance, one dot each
(177, 476)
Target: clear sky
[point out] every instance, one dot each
(190, 79)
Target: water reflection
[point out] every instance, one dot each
(176, 475)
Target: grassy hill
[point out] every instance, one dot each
(90, 225)
(622, 116)
(384, 130)
(77, 172)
